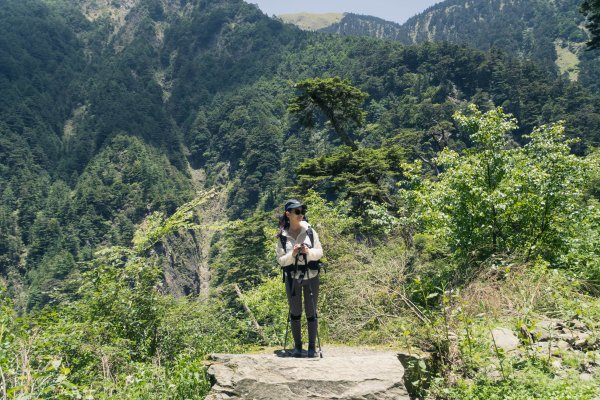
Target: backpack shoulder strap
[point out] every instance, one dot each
(314, 264)
(283, 240)
(310, 234)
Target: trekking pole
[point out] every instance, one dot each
(287, 325)
(312, 299)
(288, 281)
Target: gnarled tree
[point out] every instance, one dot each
(336, 99)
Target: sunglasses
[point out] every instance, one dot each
(298, 211)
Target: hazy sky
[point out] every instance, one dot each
(391, 10)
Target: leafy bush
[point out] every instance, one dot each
(530, 384)
(499, 198)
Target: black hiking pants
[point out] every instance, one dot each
(295, 292)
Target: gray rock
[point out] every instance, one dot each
(491, 372)
(343, 373)
(594, 358)
(578, 339)
(587, 342)
(544, 330)
(505, 339)
(564, 331)
(570, 335)
(544, 349)
(563, 345)
(586, 377)
(180, 259)
(577, 324)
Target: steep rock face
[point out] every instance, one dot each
(343, 373)
(185, 255)
(183, 258)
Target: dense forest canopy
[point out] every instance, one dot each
(591, 11)
(144, 143)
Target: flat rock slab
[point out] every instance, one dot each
(343, 373)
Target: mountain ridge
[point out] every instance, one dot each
(550, 33)
(311, 21)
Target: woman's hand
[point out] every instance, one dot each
(300, 248)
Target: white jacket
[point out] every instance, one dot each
(285, 258)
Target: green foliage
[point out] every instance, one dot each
(331, 222)
(244, 253)
(122, 285)
(269, 305)
(41, 57)
(251, 46)
(482, 369)
(531, 383)
(97, 120)
(48, 279)
(362, 175)
(339, 102)
(8, 331)
(525, 29)
(157, 226)
(591, 11)
(526, 201)
(212, 86)
(364, 179)
(121, 185)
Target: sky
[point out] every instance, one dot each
(391, 10)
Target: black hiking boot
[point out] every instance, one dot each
(297, 351)
(311, 352)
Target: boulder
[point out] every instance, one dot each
(562, 345)
(586, 377)
(505, 339)
(577, 324)
(544, 330)
(544, 349)
(583, 341)
(343, 373)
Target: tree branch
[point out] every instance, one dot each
(249, 312)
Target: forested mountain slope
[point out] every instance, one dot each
(548, 32)
(365, 25)
(105, 109)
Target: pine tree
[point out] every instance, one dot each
(591, 10)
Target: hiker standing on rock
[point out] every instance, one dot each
(298, 252)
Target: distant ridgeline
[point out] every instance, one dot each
(110, 108)
(365, 25)
(549, 32)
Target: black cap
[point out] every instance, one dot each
(293, 203)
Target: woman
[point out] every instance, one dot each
(298, 250)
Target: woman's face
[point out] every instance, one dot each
(296, 214)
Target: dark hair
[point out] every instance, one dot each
(284, 223)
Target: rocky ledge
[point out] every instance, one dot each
(343, 373)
